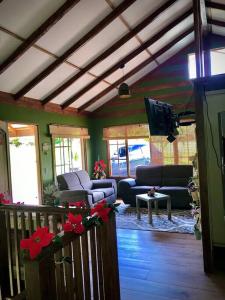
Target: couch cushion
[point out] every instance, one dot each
(96, 196)
(106, 191)
(149, 175)
(84, 178)
(136, 190)
(69, 181)
(176, 175)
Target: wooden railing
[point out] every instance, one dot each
(91, 274)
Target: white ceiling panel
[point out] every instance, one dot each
(54, 80)
(218, 14)
(115, 57)
(104, 40)
(23, 70)
(218, 30)
(73, 89)
(140, 10)
(128, 67)
(90, 94)
(176, 48)
(75, 24)
(103, 100)
(7, 45)
(25, 16)
(137, 76)
(165, 18)
(172, 34)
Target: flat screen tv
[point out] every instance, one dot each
(161, 118)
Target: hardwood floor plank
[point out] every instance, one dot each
(162, 266)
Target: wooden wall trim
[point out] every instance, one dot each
(8, 98)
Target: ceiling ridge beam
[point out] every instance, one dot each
(127, 58)
(216, 22)
(38, 33)
(215, 5)
(89, 35)
(109, 51)
(136, 69)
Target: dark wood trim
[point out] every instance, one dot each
(219, 257)
(8, 98)
(127, 58)
(135, 70)
(38, 33)
(215, 5)
(110, 50)
(93, 32)
(201, 140)
(216, 22)
(134, 111)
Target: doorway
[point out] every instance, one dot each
(24, 163)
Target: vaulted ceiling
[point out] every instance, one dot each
(70, 52)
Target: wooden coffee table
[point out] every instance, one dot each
(157, 197)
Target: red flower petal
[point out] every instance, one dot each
(25, 243)
(74, 219)
(35, 249)
(67, 227)
(79, 229)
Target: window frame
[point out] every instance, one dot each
(176, 157)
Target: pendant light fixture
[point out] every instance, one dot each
(124, 91)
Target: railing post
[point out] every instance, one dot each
(40, 279)
(110, 260)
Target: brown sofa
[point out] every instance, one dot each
(167, 179)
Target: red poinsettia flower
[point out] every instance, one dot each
(74, 224)
(2, 196)
(101, 210)
(102, 164)
(39, 239)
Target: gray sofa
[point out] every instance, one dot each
(76, 186)
(167, 179)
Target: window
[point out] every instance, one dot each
(217, 57)
(134, 147)
(68, 155)
(69, 148)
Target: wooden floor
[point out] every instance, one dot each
(162, 266)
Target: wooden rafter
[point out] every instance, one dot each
(93, 32)
(216, 22)
(37, 34)
(127, 58)
(215, 5)
(135, 70)
(110, 50)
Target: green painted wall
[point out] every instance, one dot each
(168, 83)
(12, 113)
(216, 103)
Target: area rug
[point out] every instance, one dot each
(182, 220)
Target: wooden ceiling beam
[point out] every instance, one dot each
(215, 5)
(37, 34)
(127, 58)
(136, 69)
(110, 50)
(216, 22)
(93, 32)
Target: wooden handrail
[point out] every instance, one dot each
(93, 273)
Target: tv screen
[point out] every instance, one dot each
(161, 118)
